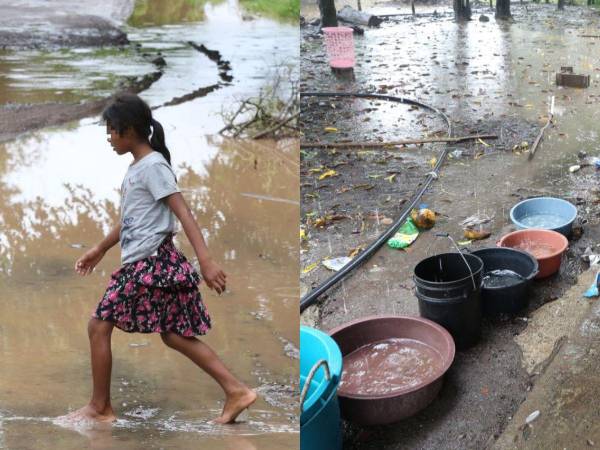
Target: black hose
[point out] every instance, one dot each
(312, 296)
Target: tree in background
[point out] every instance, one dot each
(462, 10)
(503, 9)
(328, 13)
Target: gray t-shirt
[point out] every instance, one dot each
(146, 219)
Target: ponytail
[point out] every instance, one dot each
(157, 140)
(130, 111)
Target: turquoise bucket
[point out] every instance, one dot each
(320, 372)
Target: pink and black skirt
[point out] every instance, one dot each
(155, 295)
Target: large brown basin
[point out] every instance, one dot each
(402, 402)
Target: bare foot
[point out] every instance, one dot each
(235, 404)
(87, 415)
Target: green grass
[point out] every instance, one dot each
(287, 10)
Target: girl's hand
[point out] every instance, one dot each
(85, 265)
(213, 275)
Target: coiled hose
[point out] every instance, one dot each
(312, 296)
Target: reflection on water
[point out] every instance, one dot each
(70, 75)
(58, 196)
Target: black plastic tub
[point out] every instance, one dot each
(450, 294)
(509, 299)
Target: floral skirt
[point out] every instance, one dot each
(155, 295)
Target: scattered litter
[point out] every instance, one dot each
(456, 153)
(465, 242)
(593, 289)
(336, 264)
(406, 235)
(532, 417)
(574, 168)
(423, 218)
(77, 245)
(331, 129)
(140, 344)
(477, 226)
(433, 174)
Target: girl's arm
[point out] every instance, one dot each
(212, 273)
(92, 257)
(111, 239)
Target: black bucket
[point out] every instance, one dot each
(509, 299)
(450, 294)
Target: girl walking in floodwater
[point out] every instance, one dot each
(156, 289)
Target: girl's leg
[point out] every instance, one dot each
(99, 407)
(239, 396)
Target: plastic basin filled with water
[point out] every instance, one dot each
(393, 367)
(545, 213)
(320, 425)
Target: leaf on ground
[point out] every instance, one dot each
(329, 173)
(433, 162)
(365, 186)
(355, 251)
(316, 170)
(310, 267)
(483, 142)
(331, 129)
(391, 178)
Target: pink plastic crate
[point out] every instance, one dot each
(339, 43)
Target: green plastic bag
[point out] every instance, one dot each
(406, 235)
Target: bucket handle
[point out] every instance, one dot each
(311, 375)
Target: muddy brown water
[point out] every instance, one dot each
(59, 196)
(389, 366)
(58, 190)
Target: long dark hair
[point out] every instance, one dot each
(130, 111)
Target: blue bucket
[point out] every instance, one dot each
(321, 368)
(562, 209)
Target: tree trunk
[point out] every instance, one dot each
(462, 10)
(412, 6)
(358, 5)
(491, 5)
(561, 4)
(328, 13)
(503, 9)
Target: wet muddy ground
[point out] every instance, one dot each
(491, 78)
(59, 191)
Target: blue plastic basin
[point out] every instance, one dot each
(564, 210)
(320, 426)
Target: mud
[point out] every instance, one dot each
(34, 24)
(489, 78)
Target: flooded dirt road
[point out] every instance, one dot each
(59, 195)
(489, 78)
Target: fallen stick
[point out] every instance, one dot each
(393, 143)
(539, 136)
